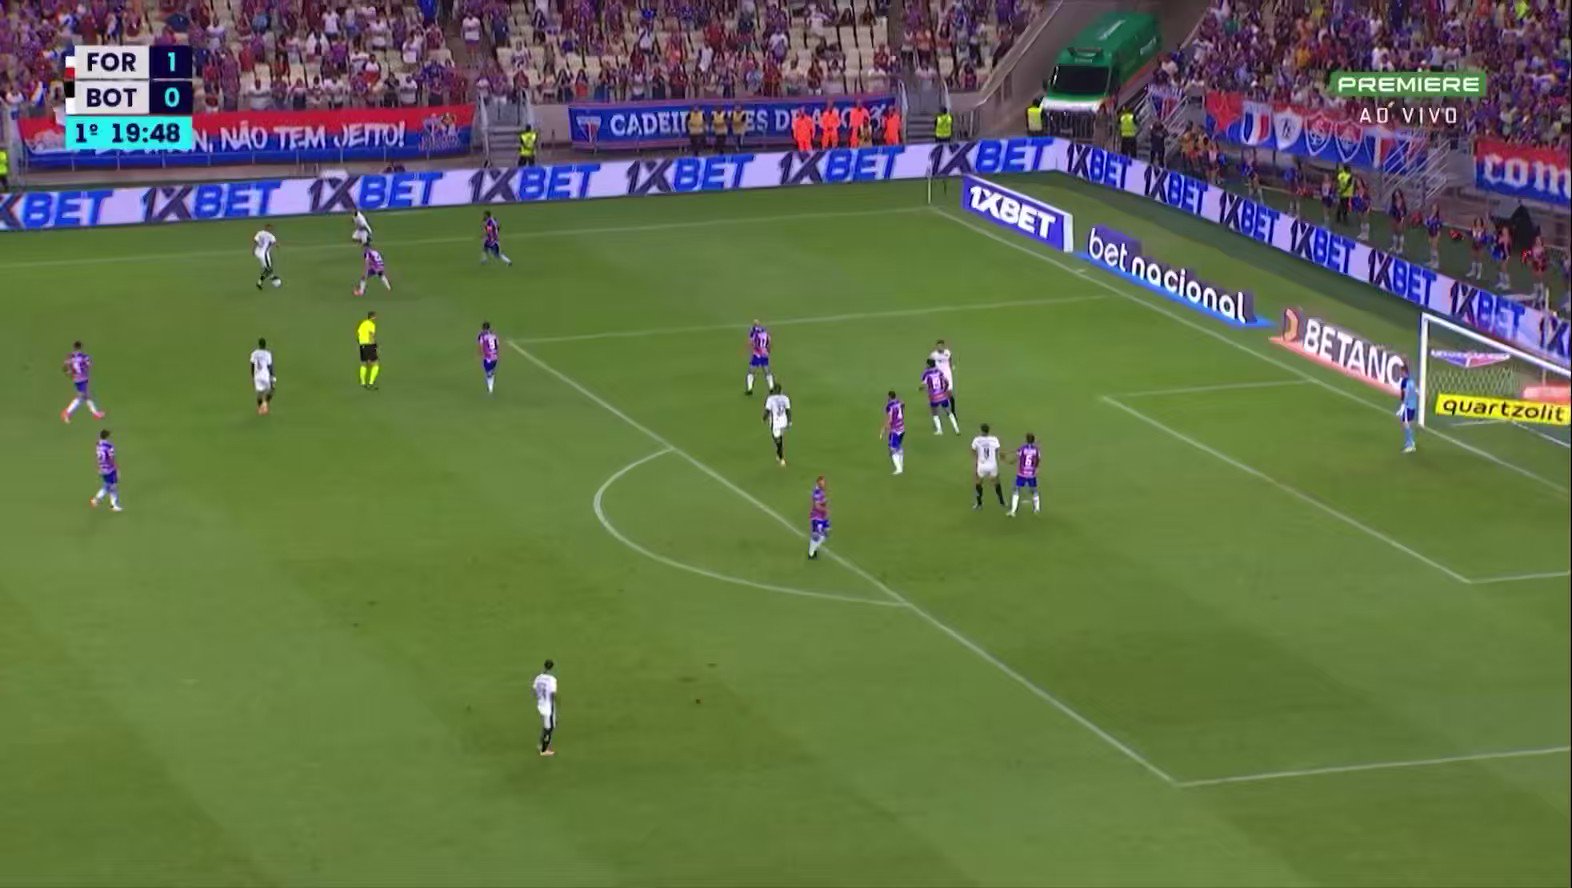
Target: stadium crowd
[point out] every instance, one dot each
(1282, 52)
(310, 54)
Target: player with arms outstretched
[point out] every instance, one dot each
(488, 347)
(545, 689)
(1027, 460)
(777, 415)
(108, 473)
(985, 447)
(938, 389)
(262, 244)
(262, 377)
(818, 518)
(894, 430)
(1407, 407)
(373, 267)
(759, 356)
(79, 365)
(491, 241)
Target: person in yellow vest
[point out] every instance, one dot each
(1034, 120)
(527, 140)
(1345, 193)
(720, 129)
(739, 126)
(1127, 131)
(5, 169)
(943, 126)
(696, 130)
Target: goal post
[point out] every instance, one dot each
(1467, 378)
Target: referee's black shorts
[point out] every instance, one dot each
(368, 353)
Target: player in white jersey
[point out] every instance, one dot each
(262, 376)
(986, 448)
(545, 690)
(362, 233)
(777, 415)
(262, 248)
(940, 356)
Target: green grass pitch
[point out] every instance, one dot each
(1247, 642)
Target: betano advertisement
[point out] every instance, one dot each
(1342, 350)
(1496, 315)
(276, 137)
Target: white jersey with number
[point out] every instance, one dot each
(941, 359)
(263, 248)
(262, 369)
(362, 233)
(986, 448)
(545, 689)
(778, 406)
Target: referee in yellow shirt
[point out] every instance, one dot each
(366, 335)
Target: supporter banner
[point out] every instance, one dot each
(277, 136)
(1342, 350)
(1495, 315)
(1490, 313)
(1523, 172)
(1325, 134)
(1019, 213)
(630, 125)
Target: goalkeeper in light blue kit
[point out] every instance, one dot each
(1407, 408)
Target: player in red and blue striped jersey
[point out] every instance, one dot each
(491, 243)
(937, 385)
(374, 268)
(895, 428)
(79, 365)
(759, 356)
(1027, 460)
(488, 346)
(818, 518)
(108, 473)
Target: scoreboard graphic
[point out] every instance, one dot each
(128, 98)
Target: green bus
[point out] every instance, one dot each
(1104, 59)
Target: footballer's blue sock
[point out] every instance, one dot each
(1408, 434)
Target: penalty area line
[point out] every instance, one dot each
(600, 515)
(976, 649)
(1376, 766)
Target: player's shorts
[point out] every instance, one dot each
(489, 366)
(548, 717)
(939, 405)
(1408, 414)
(368, 353)
(1023, 481)
(110, 479)
(777, 429)
(759, 361)
(819, 526)
(1497, 254)
(988, 470)
(895, 440)
(493, 249)
(380, 273)
(81, 386)
(263, 382)
(361, 236)
(265, 258)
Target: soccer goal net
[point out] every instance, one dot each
(1469, 379)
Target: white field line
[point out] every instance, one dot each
(1294, 492)
(243, 250)
(1220, 337)
(1221, 387)
(1527, 428)
(1377, 766)
(605, 522)
(821, 319)
(1517, 578)
(981, 652)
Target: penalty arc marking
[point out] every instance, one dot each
(600, 515)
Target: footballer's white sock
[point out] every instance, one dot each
(114, 500)
(491, 384)
(93, 408)
(750, 382)
(505, 259)
(898, 458)
(938, 429)
(386, 282)
(954, 424)
(1037, 504)
(1015, 500)
(769, 380)
(813, 545)
(99, 496)
(71, 407)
